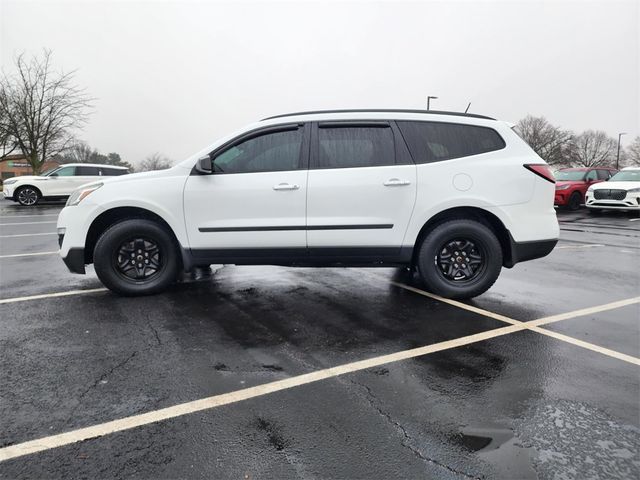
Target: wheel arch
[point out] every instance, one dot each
(118, 214)
(469, 213)
(27, 185)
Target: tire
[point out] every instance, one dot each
(153, 250)
(574, 201)
(442, 270)
(27, 196)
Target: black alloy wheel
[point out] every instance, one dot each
(461, 260)
(139, 258)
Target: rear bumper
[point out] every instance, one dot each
(523, 251)
(74, 260)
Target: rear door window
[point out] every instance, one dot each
(603, 174)
(112, 172)
(345, 146)
(436, 141)
(87, 171)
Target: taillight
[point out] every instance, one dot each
(542, 170)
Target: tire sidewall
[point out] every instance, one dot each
(452, 230)
(112, 239)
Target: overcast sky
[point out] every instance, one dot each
(173, 76)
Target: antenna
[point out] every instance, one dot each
(467, 108)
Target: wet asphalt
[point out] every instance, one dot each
(522, 405)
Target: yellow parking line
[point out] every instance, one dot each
(584, 311)
(589, 346)
(55, 441)
(458, 304)
(27, 235)
(27, 254)
(534, 325)
(24, 223)
(51, 295)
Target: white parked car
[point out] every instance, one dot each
(458, 196)
(57, 183)
(620, 192)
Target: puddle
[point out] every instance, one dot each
(500, 448)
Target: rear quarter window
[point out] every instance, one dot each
(436, 141)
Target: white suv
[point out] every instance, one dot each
(456, 195)
(620, 192)
(57, 183)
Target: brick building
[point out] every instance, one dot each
(17, 165)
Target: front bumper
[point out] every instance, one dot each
(75, 260)
(630, 203)
(73, 226)
(7, 192)
(560, 198)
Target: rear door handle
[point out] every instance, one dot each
(286, 186)
(396, 182)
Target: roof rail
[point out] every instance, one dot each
(386, 110)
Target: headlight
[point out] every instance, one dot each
(634, 190)
(562, 187)
(79, 195)
(10, 182)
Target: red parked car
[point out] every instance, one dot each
(572, 184)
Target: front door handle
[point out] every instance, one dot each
(396, 182)
(286, 186)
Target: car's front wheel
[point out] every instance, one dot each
(460, 258)
(27, 196)
(136, 257)
(574, 201)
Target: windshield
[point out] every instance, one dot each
(570, 175)
(626, 176)
(46, 173)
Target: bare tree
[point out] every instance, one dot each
(78, 152)
(155, 161)
(593, 148)
(7, 143)
(41, 108)
(632, 152)
(550, 142)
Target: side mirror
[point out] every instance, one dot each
(204, 165)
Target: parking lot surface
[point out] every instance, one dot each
(272, 372)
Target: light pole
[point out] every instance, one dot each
(429, 101)
(617, 156)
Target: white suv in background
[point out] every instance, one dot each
(620, 192)
(458, 196)
(57, 183)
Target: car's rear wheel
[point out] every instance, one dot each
(460, 259)
(136, 257)
(27, 196)
(574, 201)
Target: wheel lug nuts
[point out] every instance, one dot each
(146, 261)
(133, 262)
